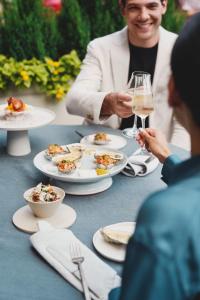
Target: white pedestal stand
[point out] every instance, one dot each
(78, 188)
(18, 143)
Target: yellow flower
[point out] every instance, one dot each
(52, 63)
(49, 61)
(56, 64)
(56, 72)
(24, 75)
(59, 93)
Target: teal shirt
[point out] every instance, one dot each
(163, 255)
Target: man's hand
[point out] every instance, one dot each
(118, 104)
(155, 142)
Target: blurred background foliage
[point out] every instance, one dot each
(28, 29)
(174, 19)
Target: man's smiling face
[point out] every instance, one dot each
(143, 18)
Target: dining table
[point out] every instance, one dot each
(25, 275)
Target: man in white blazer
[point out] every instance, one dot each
(97, 93)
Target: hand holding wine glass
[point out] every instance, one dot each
(155, 142)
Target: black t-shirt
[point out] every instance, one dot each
(141, 59)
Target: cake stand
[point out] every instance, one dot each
(17, 127)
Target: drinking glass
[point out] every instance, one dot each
(142, 100)
(132, 131)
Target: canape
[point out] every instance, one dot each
(101, 138)
(54, 150)
(107, 160)
(66, 166)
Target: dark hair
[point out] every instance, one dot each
(124, 2)
(185, 65)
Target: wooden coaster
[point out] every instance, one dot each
(26, 221)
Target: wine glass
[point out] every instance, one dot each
(142, 100)
(132, 131)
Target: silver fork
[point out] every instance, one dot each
(78, 259)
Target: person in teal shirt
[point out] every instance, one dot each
(163, 256)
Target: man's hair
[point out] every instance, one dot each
(185, 65)
(124, 2)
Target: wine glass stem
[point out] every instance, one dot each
(143, 123)
(135, 123)
(143, 127)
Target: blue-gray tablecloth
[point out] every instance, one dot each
(24, 275)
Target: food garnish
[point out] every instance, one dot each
(101, 171)
(43, 193)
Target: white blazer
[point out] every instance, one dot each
(105, 69)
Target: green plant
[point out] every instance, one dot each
(173, 20)
(74, 27)
(28, 30)
(105, 16)
(53, 77)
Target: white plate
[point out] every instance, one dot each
(33, 117)
(110, 250)
(86, 172)
(25, 220)
(116, 141)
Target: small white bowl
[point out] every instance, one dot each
(44, 209)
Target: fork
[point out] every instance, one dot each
(78, 259)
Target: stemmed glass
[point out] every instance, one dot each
(131, 132)
(142, 100)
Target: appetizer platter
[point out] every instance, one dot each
(103, 139)
(80, 164)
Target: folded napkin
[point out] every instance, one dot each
(140, 164)
(55, 246)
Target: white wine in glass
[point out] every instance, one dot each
(142, 104)
(142, 99)
(132, 131)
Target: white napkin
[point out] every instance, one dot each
(140, 164)
(55, 246)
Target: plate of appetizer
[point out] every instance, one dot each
(111, 241)
(79, 163)
(103, 139)
(44, 202)
(16, 115)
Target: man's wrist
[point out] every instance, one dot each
(106, 109)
